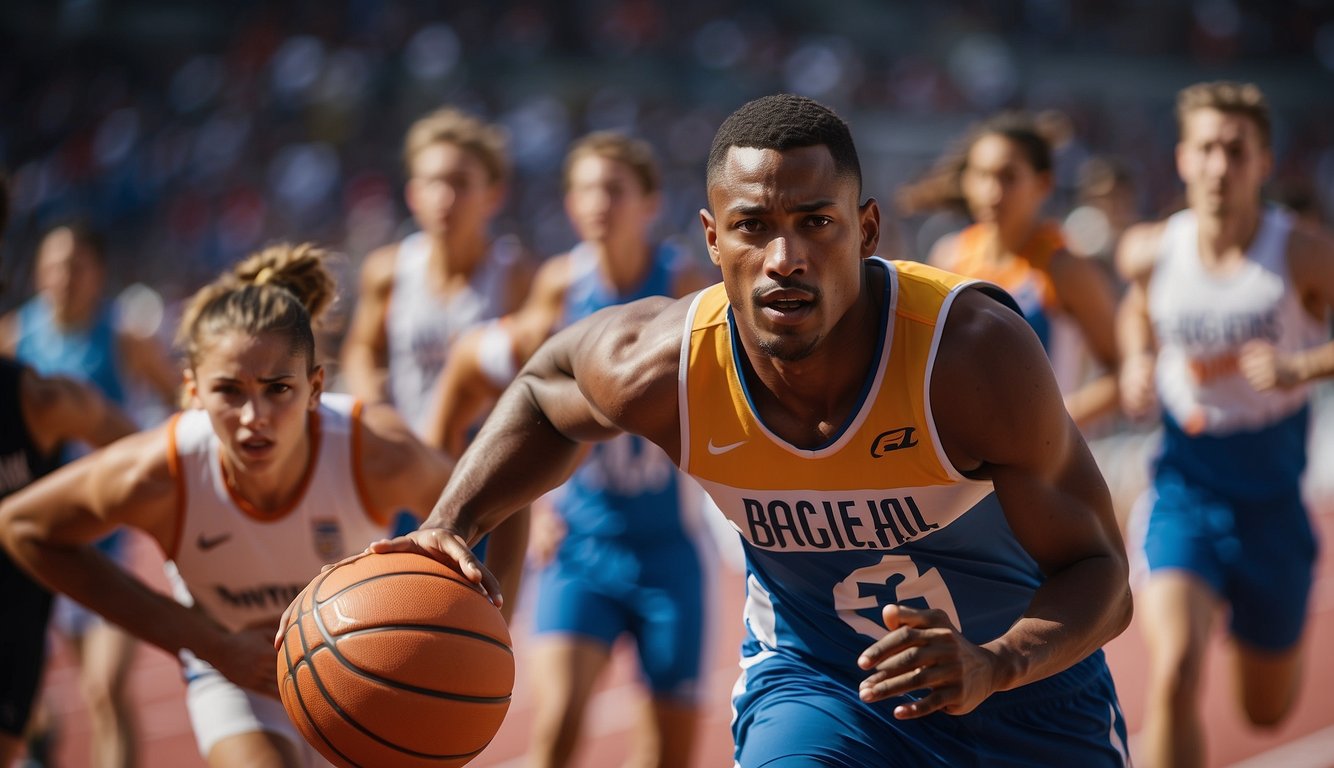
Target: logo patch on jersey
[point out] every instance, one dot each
(719, 450)
(205, 543)
(328, 538)
(893, 440)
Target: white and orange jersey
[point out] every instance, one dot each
(421, 326)
(242, 566)
(1202, 318)
(878, 515)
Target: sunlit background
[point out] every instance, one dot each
(192, 132)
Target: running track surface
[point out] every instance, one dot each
(1306, 740)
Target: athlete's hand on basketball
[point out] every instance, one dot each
(449, 548)
(248, 659)
(1265, 368)
(923, 650)
(1138, 395)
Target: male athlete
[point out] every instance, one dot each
(1225, 324)
(933, 564)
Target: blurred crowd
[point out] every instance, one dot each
(193, 133)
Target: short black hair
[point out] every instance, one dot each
(782, 122)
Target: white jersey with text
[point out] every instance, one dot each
(1202, 318)
(422, 325)
(243, 566)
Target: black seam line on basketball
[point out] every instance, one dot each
(315, 676)
(324, 692)
(329, 643)
(432, 628)
(446, 696)
(316, 602)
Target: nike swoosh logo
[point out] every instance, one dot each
(719, 450)
(205, 543)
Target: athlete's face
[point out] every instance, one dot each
(451, 193)
(1223, 161)
(1001, 185)
(606, 201)
(788, 233)
(259, 394)
(69, 276)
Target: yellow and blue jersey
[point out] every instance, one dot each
(877, 515)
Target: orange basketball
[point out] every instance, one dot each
(395, 661)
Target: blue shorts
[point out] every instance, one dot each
(1258, 556)
(660, 606)
(789, 715)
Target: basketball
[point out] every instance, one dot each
(395, 661)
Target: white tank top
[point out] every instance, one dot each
(1202, 319)
(241, 566)
(422, 327)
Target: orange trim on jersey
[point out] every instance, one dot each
(178, 479)
(1031, 262)
(254, 513)
(358, 475)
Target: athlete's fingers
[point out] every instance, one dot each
(895, 615)
(940, 699)
(905, 625)
(282, 622)
(449, 548)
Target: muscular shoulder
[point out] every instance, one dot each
(132, 482)
(992, 389)
(392, 455)
(1138, 249)
(629, 359)
(387, 442)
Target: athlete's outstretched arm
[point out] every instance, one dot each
(1000, 416)
(49, 528)
(614, 371)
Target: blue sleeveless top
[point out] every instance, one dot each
(87, 354)
(626, 490)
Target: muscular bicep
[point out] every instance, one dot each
(615, 371)
(1001, 416)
